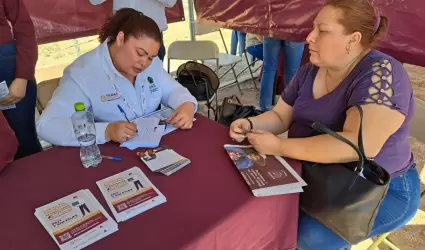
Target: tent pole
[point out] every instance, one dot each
(191, 20)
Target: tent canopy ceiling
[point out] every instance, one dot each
(57, 20)
(293, 20)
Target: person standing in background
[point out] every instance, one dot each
(154, 9)
(271, 51)
(18, 57)
(238, 38)
(254, 46)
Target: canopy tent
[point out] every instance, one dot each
(293, 19)
(56, 20)
(286, 19)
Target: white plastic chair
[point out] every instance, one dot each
(196, 51)
(225, 59)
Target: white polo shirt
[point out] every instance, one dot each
(94, 80)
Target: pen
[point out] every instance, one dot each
(123, 112)
(125, 115)
(111, 158)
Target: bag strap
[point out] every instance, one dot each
(360, 150)
(360, 138)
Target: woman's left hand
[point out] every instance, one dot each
(17, 91)
(183, 117)
(264, 142)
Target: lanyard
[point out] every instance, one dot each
(142, 95)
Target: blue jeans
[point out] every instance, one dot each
(237, 38)
(21, 118)
(399, 206)
(256, 51)
(271, 51)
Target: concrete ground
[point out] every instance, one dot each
(55, 56)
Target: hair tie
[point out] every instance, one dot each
(377, 21)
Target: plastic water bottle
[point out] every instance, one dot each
(85, 131)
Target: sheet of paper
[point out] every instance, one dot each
(148, 136)
(164, 114)
(4, 91)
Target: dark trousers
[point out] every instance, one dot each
(21, 118)
(161, 52)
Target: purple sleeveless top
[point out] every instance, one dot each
(377, 78)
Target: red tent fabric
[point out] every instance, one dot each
(56, 20)
(293, 19)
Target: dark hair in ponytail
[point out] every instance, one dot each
(132, 23)
(362, 16)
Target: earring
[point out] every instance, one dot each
(348, 49)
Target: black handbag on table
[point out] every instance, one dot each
(337, 194)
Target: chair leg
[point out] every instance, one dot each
(380, 239)
(236, 79)
(250, 71)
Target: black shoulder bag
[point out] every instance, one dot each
(345, 197)
(232, 109)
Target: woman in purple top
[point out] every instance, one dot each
(344, 69)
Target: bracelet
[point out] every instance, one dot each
(250, 124)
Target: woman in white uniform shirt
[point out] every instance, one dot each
(123, 69)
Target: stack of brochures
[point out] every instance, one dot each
(76, 221)
(265, 175)
(149, 134)
(130, 193)
(163, 160)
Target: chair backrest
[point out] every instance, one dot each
(45, 91)
(193, 51)
(202, 29)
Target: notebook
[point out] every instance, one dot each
(265, 175)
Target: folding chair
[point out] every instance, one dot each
(45, 91)
(383, 238)
(196, 51)
(225, 59)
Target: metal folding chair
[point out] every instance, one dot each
(225, 59)
(196, 51)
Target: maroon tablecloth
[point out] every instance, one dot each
(208, 204)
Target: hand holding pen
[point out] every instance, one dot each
(120, 131)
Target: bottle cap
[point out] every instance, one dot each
(79, 106)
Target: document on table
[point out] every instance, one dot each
(4, 91)
(148, 136)
(163, 114)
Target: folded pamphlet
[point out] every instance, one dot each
(76, 221)
(130, 193)
(4, 91)
(265, 175)
(163, 159)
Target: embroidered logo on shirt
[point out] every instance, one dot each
(150, 80)
(109, 97)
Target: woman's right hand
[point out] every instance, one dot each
(239, 129)
(120, 131)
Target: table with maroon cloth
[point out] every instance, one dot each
(208, 206)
